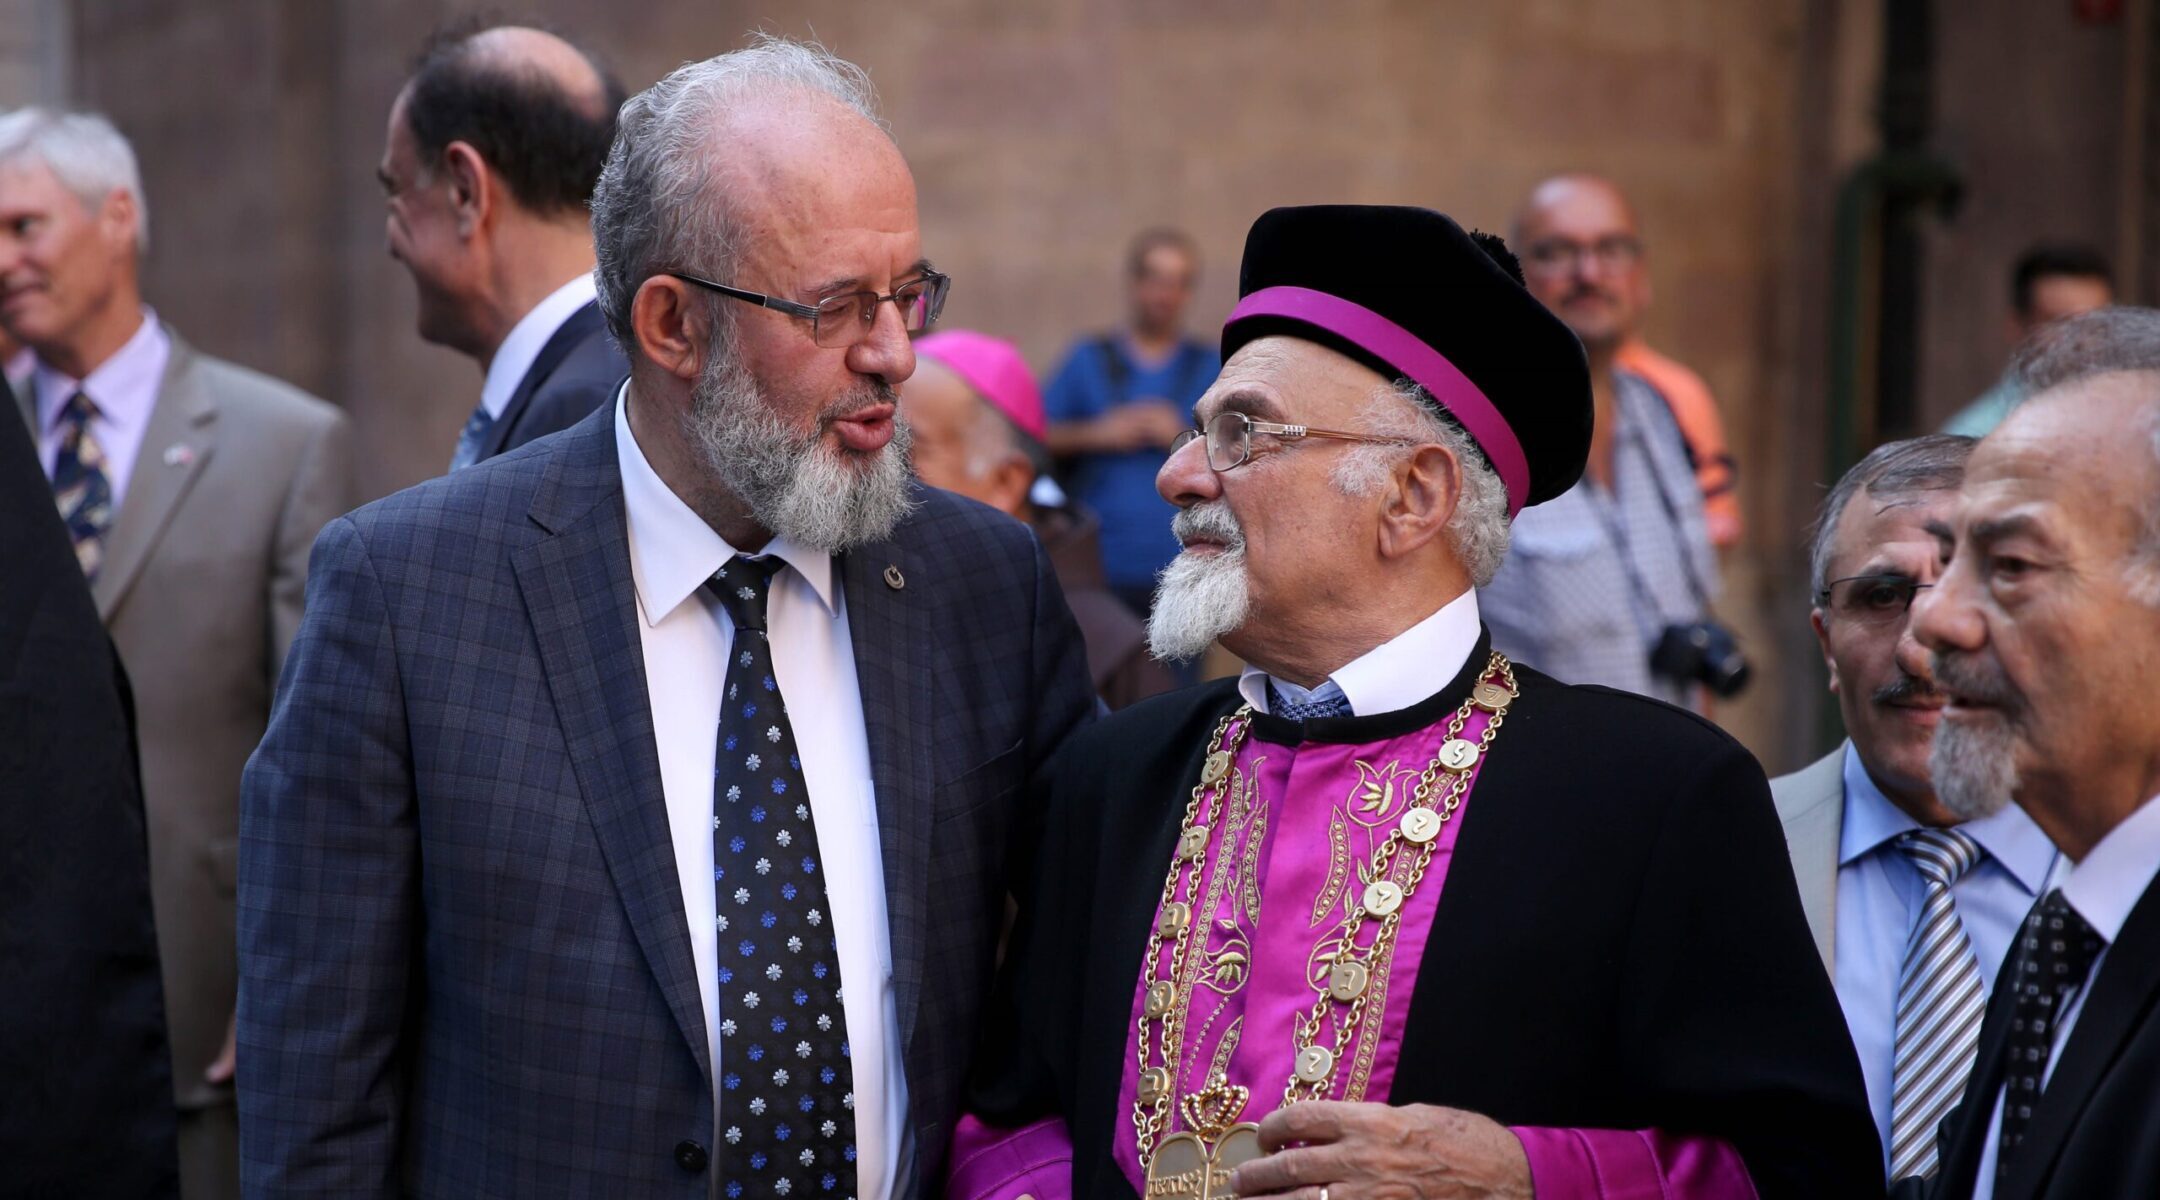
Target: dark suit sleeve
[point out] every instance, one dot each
(329, 900)
(1726, 1015)
(1068, 702)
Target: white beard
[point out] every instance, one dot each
(793, 485)
(1201, 597)
(1973, 767)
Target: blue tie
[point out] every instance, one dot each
(1293, 703)
(787, 1105)
(470, 438)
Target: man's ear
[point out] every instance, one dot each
(669, 326)
(472, 187)
(116, 219)
(1421, 499)
(1822, 640)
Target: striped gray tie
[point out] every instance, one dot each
(1939, 1005)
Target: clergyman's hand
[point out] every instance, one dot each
(1380, 1152)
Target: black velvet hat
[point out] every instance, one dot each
(1408, 293)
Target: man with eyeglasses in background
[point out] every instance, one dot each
(1613, 582)
(1912, 907)
(633, 818)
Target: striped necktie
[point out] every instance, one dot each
(81, 488)
(1940, 1002)
(471, 438)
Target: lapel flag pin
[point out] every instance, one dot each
(179, 454)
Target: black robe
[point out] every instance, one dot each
(1619, 942)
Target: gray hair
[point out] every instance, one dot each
(2108, 341)
(660, 203)
(1893, 470)
(1478, 530)
(84, 152)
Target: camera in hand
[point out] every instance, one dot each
(1704, 652)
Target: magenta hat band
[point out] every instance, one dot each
(1422, 364)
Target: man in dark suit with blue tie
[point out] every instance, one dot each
(632, 820)
(487, 171)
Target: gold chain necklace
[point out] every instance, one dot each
(1212, 1111)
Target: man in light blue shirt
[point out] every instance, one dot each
(1913, 911)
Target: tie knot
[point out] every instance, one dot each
(80, 408)
(1291, 702)
(2057, 945)
(743, 585)
(1943, 855)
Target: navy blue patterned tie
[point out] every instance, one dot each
(470, 438)
(1293, 703)
(787, 1101)
(80, 486)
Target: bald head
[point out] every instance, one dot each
(536, 109)
(1582, 255)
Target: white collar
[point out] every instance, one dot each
(124, 387)
(672, 550)
(527, 338)
(1400, 672)
(2114, 875)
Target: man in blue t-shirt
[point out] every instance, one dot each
(1118, 400)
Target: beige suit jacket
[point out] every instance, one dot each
(1811, 803)
(201, 588)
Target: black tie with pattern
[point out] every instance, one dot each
(787, 1101)
(2055, 952)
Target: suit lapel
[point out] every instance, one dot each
(176, 446)
(580, 325)
(1813, 827)
(582, 603)
(890, 629)
(2121, 998)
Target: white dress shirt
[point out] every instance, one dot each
(527, 338)
(1399, 672)
(1879, 896)
(687, 636)
(125, 390)
(2102, 888)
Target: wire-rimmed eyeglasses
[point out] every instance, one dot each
(846, 319)
(1229, 438)
(1870, 598)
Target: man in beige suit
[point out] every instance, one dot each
(192, 490)
(1912, 911)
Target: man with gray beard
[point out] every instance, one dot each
(632, 819)
(2045, 640)
(1329, 929)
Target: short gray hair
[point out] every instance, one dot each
(1893, 470)
(1478, 531)
(84, 152)
(659, 203)
(2119, 340)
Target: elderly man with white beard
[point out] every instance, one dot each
(2044, 628)
(632, 818)
(1391, 915)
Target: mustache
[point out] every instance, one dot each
(869, 394)
(1972, 678)
(1212, 521)
(1905, 689)
(1586, 291)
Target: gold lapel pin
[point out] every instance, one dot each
(893, 578)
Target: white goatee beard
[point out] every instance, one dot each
(1201, 597)
(1973, 767)
(793, 485)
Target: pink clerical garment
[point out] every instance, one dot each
(1289, 848)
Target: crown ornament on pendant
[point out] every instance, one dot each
(1211, 1111)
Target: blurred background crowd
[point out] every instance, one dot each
(1786, 232)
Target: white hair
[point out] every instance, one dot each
(84, 152)
(1478, 530)
(660, 203)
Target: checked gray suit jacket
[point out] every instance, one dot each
(466, 966)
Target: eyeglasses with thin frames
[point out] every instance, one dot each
(1870, 599)
(846, 319)
(1229, 438)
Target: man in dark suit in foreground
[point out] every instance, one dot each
(602, 767)
(87, 1110)
(2045, 640)
(487, 170)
